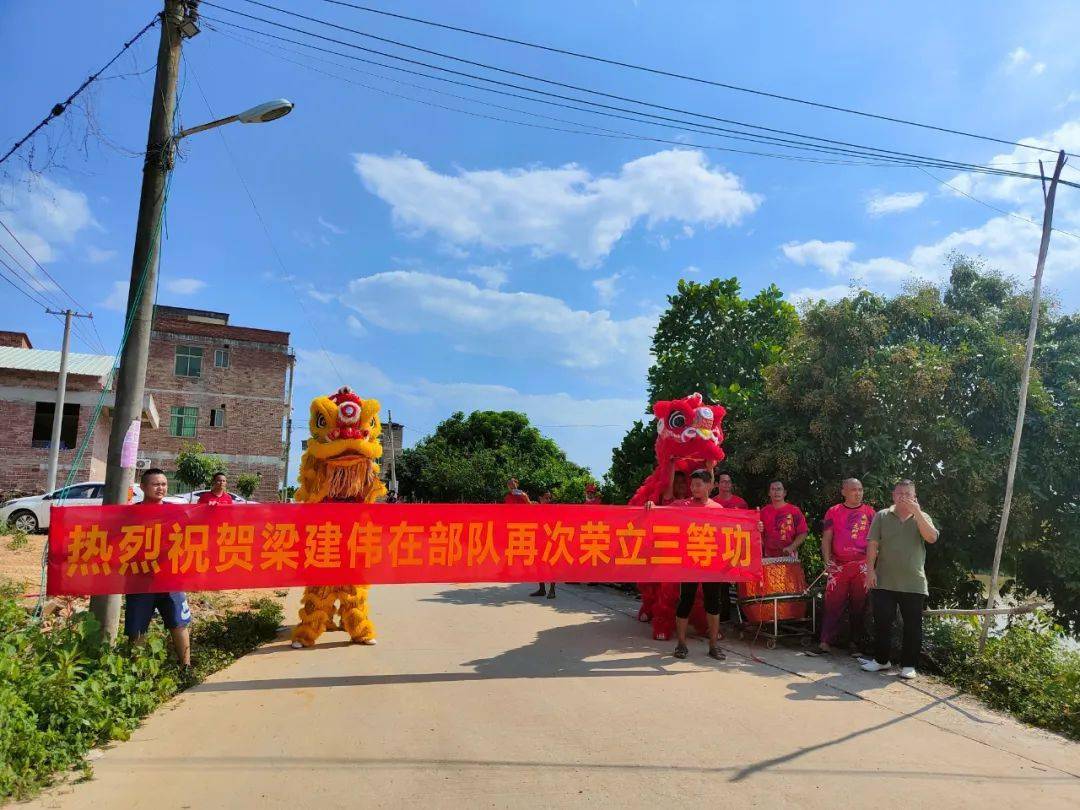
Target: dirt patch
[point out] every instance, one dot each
(21, 564)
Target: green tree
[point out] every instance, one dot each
(469, 458)
(195, 467)
(924, 385)
(712, 340)
(247, 483)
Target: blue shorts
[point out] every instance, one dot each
(139, 610)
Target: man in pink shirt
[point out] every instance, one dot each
(700, 487)
(726, 496)
(784, 524)
(843, 548)
(218, 493)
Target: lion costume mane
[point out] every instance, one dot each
(689, 435)
(339, 466)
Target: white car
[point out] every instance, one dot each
(193, 497)
(31, 514)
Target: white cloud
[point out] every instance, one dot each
(493, 275)
(117, 298)
(184, 286)
(833, 292)
(607, 288)
(691, 268)
(356, 327)
(586, 428)
(882, 205)
(1019, 58)
(829, 256)
(564, 210)
(330, 226)
(321, 296)
(494, 323)
(96, 255)
(1070, 99)
(44, 216)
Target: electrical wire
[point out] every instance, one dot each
(880, 155)
(603, 131)
(904, 158)
(686, 77)
(60, 287)
(58, 109)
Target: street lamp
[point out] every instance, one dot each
(270, 111)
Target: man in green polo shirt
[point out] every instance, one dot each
(895, 570)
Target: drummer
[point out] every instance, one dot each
(785, 526)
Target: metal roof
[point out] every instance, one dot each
(92, 365)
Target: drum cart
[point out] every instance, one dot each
(769, 615)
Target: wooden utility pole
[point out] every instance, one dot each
(131, 375)
(61, 392)
(1025, 376)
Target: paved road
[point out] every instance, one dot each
(481, 697)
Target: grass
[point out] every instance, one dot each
(63, 690)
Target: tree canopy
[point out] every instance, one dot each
(469, 458)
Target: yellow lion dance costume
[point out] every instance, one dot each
(339, 466)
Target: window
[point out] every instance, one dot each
(182, 422)
(79, 491)
(221, 358)
(217, 417)
(43, 419)
(189, 361)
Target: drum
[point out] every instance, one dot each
(780, 576)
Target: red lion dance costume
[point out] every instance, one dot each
(688, 437)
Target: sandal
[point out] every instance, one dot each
(717, 653)
(681, 651)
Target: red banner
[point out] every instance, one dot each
(141, 549)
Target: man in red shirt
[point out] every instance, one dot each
(700, 487)
(843, 548)
(139, 608)
(514, 493)
(726, 496)
(218, 493)
(784, 524)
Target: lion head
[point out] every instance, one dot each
(339, 463)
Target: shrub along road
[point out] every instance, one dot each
(479, 695)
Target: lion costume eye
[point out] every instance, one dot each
(320, 421)
(677, 421)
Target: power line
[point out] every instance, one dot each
(901, 158)
(603, 133)
(49, 276)
(675, 75)
(58, 109)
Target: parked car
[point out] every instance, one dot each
(193, 497)
(31, 514)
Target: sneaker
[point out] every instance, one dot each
(717, 653)
(681, 651)
(551, 594)
(538, 592)
(908, 673)
(870, 665)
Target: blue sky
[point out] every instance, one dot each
(443, 262)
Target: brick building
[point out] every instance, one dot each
(222, 386)
(28, 379)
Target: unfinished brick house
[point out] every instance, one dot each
(222, 386)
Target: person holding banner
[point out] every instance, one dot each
(218, 493)
(700, 487)
(514, 493)
(139, 608)
(545, 587)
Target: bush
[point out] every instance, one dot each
(1027, 670)
(247, 483)
(194, 468)
(63, 691)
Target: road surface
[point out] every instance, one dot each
(479, 696)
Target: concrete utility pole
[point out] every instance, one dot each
(61, 391)
(131, 376)
(288, 429)
(1025, 376)
(393, 454)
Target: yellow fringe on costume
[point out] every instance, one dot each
(321, 479)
